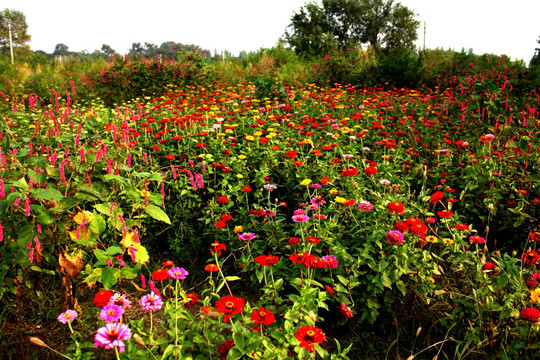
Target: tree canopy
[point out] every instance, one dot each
(351, 23)
(19, 28)
(535, 61)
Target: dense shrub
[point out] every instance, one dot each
(126, 78)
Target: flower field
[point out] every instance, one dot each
(299, 222)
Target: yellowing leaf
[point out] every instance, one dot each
(82, 216)
(129, 239)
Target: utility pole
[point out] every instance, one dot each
(10, 42)
(424, 35)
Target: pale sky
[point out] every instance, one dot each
(485, 26)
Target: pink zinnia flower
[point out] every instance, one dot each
(329, 261)
(112, 335)
(178, 273)
(247, 236)
(365, 205)
(476, 239)
(120, 300)
(269, 186)
(67, 316)
(300, 218)
(111, 313)
(394, 237)
(151, 302)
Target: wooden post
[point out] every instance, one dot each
(424, 35)
(10, 42)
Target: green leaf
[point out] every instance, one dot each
(386, 281)
(239, 341)
(50, 194)
(109, 277)
(114, 250)
(157, 213)
(169, 350)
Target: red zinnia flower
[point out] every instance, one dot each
(267, 260)
(294, 241)
(291, 154)
(102, 298)
(488, 266)
(217, 247)
(401, 226)
(160, 275)
(462, 227)
(396, 208)
(370, 170)
(220, 224)
(531, 258)
(226, 217)
(534, 236)
(246, 188)
(222, 199)
(262, 316)
(309, 336)
(170, 157)
(211, 267)
(325, 180)
(436, 197)
(229, 305)
(530, 314)
(416, 226)
(224, 349)
(167, 264)
(192, 300)
(313, 239)
(445, 214)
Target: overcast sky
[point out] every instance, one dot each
(485, 26)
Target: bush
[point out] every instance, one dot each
(400, 68)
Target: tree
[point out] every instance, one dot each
(107, 51)
(60, 50)
(350, 23)
(535, 61)
(19, 28)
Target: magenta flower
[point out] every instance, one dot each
(394, 237)
(365, 205)
(111, 313)
(112, 335)
(120, 300)
(247, 236)
(151, 302)
(329, 261)
(476, 239)
(269, 186)
(178, 273)
(67, 316)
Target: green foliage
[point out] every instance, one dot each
(399, 67)
(126, 78)
(356, 67)
(346, 24)
(19, 28)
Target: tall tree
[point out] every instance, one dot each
(349, 23)
(61, 50)
(107, 51)
(19, 28)
(535, 61)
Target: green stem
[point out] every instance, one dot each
(221, 273)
